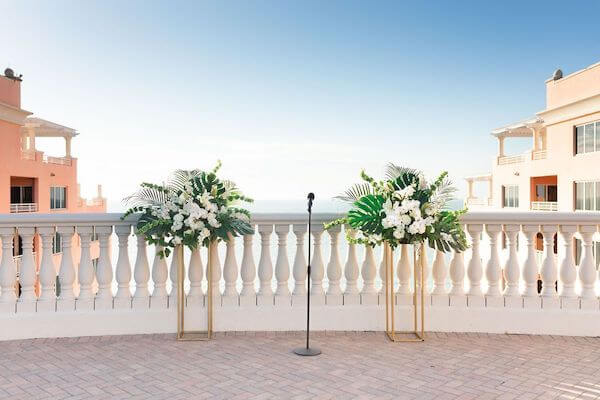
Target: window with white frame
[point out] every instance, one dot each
(587, 196)
(58, 197)
(511, 196)
(587, 138)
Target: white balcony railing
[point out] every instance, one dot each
(510, 159)
(23, 207)
(57, 160)
(544, 206)
(478, 201)
(539, 155)
(261, 282)
(28, 155)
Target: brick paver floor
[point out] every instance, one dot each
(261, 366)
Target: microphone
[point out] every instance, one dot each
(311, 197)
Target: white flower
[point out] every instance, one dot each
(212, 220)
(399, 233)
(422, 181)
(176, 240)
(405, 193)
(447, 237)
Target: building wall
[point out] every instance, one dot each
(576, 86)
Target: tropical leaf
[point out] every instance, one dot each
(355, 192)
(367, 214)
(393, 171)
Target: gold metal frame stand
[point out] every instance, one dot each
(416, 335)
(182, 334)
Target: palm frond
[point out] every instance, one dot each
(147, 195)
(443, 194)
(393, 171)
(355, 192)
(179, 178)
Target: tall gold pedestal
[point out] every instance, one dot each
(417, 334)
(182, 334)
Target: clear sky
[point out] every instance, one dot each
(292, 96)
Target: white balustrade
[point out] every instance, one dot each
(338, 295)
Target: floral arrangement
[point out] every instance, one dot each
(194, 208)
(403, 209)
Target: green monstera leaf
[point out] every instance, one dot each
(367, 214)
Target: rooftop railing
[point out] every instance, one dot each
(261, 278)
(23, 207)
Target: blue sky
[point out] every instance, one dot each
(291, 96)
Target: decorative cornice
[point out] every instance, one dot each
(13, 114)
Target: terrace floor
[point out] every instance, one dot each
(261, 366)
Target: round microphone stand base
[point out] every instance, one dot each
(307, 351)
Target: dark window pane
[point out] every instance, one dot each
(27, 194)
(552, 193)
(580, 141)
(15, 194)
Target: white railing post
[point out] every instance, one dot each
(300, 264)
(334, 269)
(104, 271)
(195, 295)
(230, 274)
(492, 268)
(265, 266)
(159, 298)
(474, 268)
(173, 278)
(317, 267)
(404, 271)
(351, 272)
(439, 295)
(368, 272)
(47, 299)
(248, 274)
(568, 272)
(141, 275)
(282, 267)
(531, 268)
(587, 269)
(26, 302)
(123, 269)
(215, 269)
(549, 271)
(85, 300)
(457, 276)
(8, 272)
(511, 268)
(66, 274)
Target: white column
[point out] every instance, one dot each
(141, 275)
(123, 269)
(8, 271)
(265, 265)
(68, 147)
(548, 271)
(587, 266)
(530, 268)
(492, 268)
(47, 300)
(490, 191)
(568, 272)
(173, 278)
(230, 273)
(500, 146)
(351, 273)
(104, 271)
(334, 268)
(85, 300)
(27, 275)
(195, 275)
(160, 274)
(66, 274)
(404, 270)
(457, 274)
(511, 268)
(282, 267)
(248, 273)
(469, 188)
(439, 273)
(474, 268)
(300, 263)
(317, 267)
(368, 271)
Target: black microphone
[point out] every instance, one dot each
(311, 197)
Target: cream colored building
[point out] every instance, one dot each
(561, 170)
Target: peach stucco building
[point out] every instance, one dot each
(31, 181)
(561, 171)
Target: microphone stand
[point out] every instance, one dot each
(308, 351)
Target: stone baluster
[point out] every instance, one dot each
(492, 268)
(173, 278)
(548, 271)
(474, 267)
(8, 271)
(104, 271)
(265, 266)
(351, 273)
(368, 272)
(141, 275)
(439, 273)
(248, 274)
(123, 269)
(230, 274)
(195, 275)
(47, 299)
(334, 269)
(85, 300)
(382, 272)
(530, 268)
(568, 272)
(317, 267)
(66, 273)
(300, 266)
(511, 268)
(215, 269)
(159, 297)
(457, 276)
(282, 267)
(404, 270)
(587, 269)
(27, 275)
